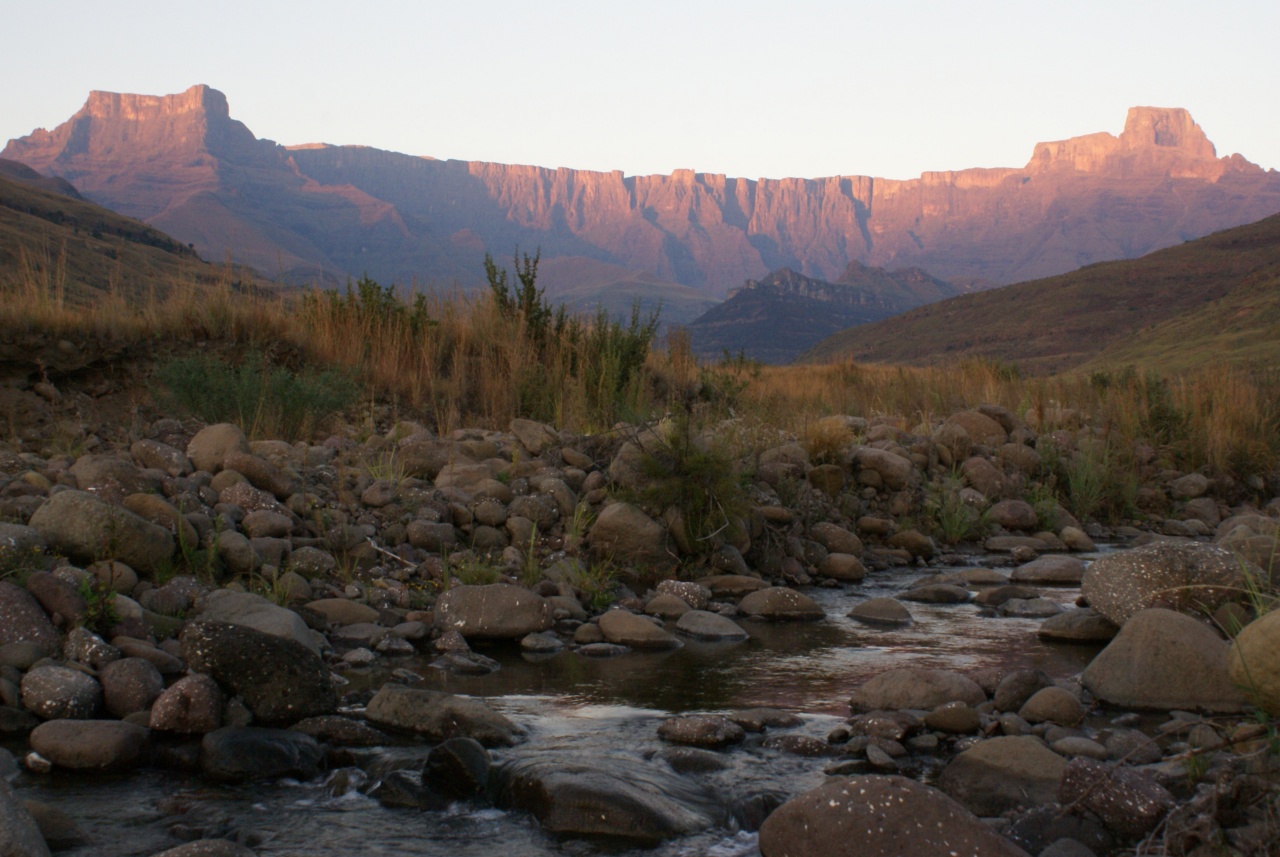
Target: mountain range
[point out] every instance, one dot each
(324, 213)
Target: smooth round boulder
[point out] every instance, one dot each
(440, 716)
(878, 816)
(937, 593)
(498, 611)
(666, 606)
(243, 753)
(888, 612)
(54, 692)
(1050, 571)
(843, 567)
(732, 586)
(191, 705)
(457, 768)
(19, 833)
(1017, 687)
(1082, 625)
(1254, 663)
(704, 625)
(625, 534)
(1000, 774)
(627, 629)
(780, 604)
(129, 685)
(1014, 515)
(90, 745)
(1183, 576)
(1129, 802)
(253, 611)
(22, 619)
(209, 448)
(79, 525)
(1052, 705)
(343, 611)
(695, 595)
(914, 687)
(1164, 660)
(707, 731)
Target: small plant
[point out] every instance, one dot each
(826, 440)
(271, 587)
(530, 567)
(467, 570)
(596, 583)
(100, 614)
(953, 520)
(19, 564)
(387, 467)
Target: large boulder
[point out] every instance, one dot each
(129, 685)
(878, 816)
(498, 611)
(615, 797)
(440, 716)
(280, 680)
(913, 687)
(191, 705)
(1182, 576)
(1128, 801)
(626, 535)
(90, 745)
(210, 446)
(894, 471)
(836, 539)
(83, 526)
(54, 692)
(1050, 570)
(19, 834)
(239, 753)
(23, 619)
(254, 611)
(1254, 663)
(704, 625)
(1000, 774)
(780, 604)
(1164, 660)
(628, 629)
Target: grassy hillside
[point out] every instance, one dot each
(1211, 301)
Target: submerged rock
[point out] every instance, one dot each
(440, 716)
(241, 753)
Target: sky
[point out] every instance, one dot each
(798, 88)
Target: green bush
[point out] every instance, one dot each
(262, 400)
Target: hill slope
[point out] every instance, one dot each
(778, 317)
(181, 163)
(1216, 299)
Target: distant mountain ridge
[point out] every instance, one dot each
(776, 318)
(317, 211)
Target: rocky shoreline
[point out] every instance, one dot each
(194, 601)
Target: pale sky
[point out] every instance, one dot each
(786, 88)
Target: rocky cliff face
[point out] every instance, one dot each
(184, 164)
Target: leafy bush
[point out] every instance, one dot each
(264, 401)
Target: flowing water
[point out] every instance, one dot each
(573, 708)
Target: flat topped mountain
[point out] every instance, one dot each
(776, 318)
(317, 211)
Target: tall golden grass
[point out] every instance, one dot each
(458, 360)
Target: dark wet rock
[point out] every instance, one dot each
(23, 619)
(440, 716)
(77, 524)
(343, 731)
(780, 604)
(878, 816)
(458, 768)
(703, 625)
(1030, 608)
(19, 833)
(240, 753)
(1001, 774)
(16, 721)
(881, 611)
(998, 595)
(602, 650)
(253, 611)
(1164, 660)
(466, 663)
(614, 797)
(498, 611)
(691, 760)
(91, 745)
(798, 745)
(1039, 828)
(913, 687)
(129, 685)
(1129, 802)
(708, 731)
(191, 705)
(53, 692)
(85, 647)
(59, 830)
(937, 593)
(208, 848)
(60, 600)
(628, 629)
(1183, 576)
(1050, 570)
(759, 719)
(541, 644)
(1083, 625)
(280, 680)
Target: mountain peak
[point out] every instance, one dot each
(139, 108)
(1167, 127)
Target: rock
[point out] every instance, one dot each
(1017, 687)
(129, 685)
(192, 705)
(343, 611)
(458, 768)
(536, 437)
(1182, 576)
(342, 731)
(1000, 774)
(541, 644)
(893, 470)
(627, 629)
(105, 474)
(22, 655)
(78, 524)
(64, 604)
(695, 595)
(779, 603)
(954, 717)
(23, 619)
(881, 611)
(19, 834)
(913, 687)
(1014, 515)
(1190, 486)
(733, 586)
(836, 539)
(1164, 660)
(240, 753)
(208, 848)
(1083, 625)
(498, 611)
(440, 716)
(261, 473)
(703, 625)
(1129, 802)
(618, 798)
(843, 567)
(666, 606)
(1053, 705)
(160, 456)
(1030, 608)
(1077, 539)
(1050, 570)
(878, 816)
(157, 510)
(937, 593)
(280, 680)
(708, 731)
(210, 446)
(54, 692)
(998, 595)
(913, 542)
(91, 745)
(1254, 664)
(59, 830)
(625, 534)
(983, 476)
(253, 611)
(1073, 746)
